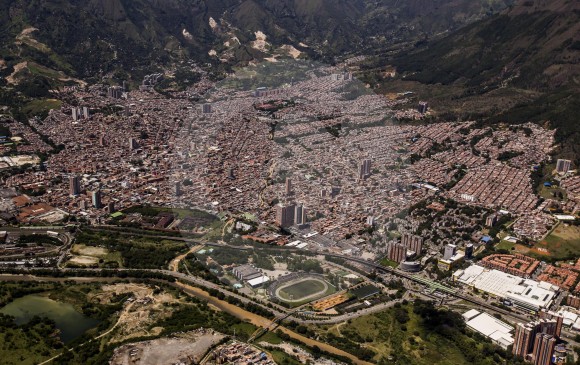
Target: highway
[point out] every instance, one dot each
(279, 310)
(373, 265)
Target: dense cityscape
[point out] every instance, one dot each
(290, 211)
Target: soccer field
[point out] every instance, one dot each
(302, 289)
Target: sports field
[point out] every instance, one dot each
(307, 289)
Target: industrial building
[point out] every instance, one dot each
(525, 293)
(252, 276)
(497, 331)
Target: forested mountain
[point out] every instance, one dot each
(519, 65)
(87, 38)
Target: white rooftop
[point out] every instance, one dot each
(491, 327)
(568, 316)
(470, 314)
(564, 217)
(259, 280)
(503, 285)
(576, 325)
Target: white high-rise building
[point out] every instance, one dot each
(563, 166)
(449, 251)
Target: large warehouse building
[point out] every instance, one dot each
(525, 293)
(497, 331)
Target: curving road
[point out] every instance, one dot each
(279, 310)
(232, 309)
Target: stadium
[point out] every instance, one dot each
(299, 288)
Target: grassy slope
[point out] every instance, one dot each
(387, 339)
(563, 242)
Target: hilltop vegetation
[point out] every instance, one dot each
(415, 333)
(518, 66)
(132, 38)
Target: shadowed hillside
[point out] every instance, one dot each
(520, 65)
(90, 38)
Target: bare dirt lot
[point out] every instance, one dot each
(188, 348)
(84, 260)
(142, 309)
(89, 251)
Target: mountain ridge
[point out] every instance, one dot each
(92, 38)
(520, 65)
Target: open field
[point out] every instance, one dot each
(552, 192)
(130, 251)
(505, 245)
(95, 255)
(521, 248)
(89, 251)
(562, 243)
(84, 260)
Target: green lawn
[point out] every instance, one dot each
(387, 262)
(271, 338)
(302, 289)
(244, 329)
(505, 245)
(280, 357)
(551, 192)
